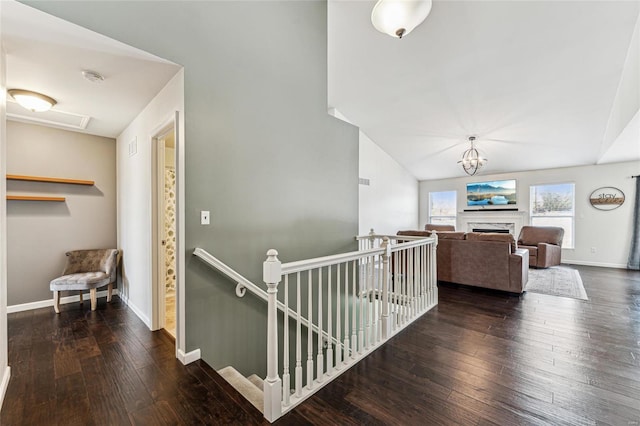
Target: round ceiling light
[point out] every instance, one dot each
(398, 18)
(33, 101)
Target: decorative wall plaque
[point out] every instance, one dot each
(606, 198)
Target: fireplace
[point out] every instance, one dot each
(492, 221)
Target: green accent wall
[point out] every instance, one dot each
(262, 154)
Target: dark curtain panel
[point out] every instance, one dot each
(634, 254)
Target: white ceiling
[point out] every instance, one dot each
(534, 81)
(47, 55)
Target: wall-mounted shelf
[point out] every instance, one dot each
(33, 198)
(50, 180)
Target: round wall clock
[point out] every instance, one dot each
(606, 198)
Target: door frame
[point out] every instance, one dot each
(157, 293)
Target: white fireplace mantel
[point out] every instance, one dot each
(478, 217)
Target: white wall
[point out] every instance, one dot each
(41, 232)
(607, 231)
(5, 370)
(390, 202)
(134, 183)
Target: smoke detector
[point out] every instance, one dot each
(92, 76)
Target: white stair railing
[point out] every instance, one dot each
(360, 299)
(243, 284)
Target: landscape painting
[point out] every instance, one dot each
(492, 193)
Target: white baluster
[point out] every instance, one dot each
(354, 340)
(384, 326)
(310, 336)
(366, 305)
(329, 324)
(298, 338)
(320, 356)
(346, 345)
(363, 277)
(286, 380)
(338, 362)
(396, 290)
(272, 274)
(412, 268)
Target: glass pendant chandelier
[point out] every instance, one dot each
(471, 160)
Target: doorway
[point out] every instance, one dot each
(165, 220)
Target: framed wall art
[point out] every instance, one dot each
(606, 198)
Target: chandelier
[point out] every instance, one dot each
(471, 160)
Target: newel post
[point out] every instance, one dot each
(272, 273)
(372, 238)
(385, 286)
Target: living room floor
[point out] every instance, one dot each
(478, 358)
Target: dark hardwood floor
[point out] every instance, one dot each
(478, 358)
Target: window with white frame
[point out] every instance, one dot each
(554, 205)
(442, 208)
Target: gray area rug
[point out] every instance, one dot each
(557, 281)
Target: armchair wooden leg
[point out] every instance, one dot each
(56, 301)
(81, 301)
(109, 291)
(92, 292)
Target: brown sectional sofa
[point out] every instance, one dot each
(488, 260)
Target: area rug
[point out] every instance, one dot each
(556, 281)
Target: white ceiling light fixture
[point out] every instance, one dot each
(33, 101)
(471, 159)
(398, 18)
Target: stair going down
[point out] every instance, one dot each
(251, 388)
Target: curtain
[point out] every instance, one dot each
(634, 254)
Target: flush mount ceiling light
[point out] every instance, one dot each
(399, 17)
(33, 101)
(471, 159)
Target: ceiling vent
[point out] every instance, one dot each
(52, 118)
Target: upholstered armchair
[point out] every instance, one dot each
(86, 270)
(544, 244)
(439, 228)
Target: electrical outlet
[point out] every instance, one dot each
(205, 217)
(593, 249)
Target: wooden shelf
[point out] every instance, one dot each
(34, 198)
(50, 180)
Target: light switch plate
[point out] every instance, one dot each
(205, 217)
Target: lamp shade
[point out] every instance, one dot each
(399, 17)
(33, 101)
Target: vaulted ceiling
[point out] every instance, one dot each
(537, 82)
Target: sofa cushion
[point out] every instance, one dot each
(451, 235)
(532, 235)
(415, 233)
(493, 236)
(80, 281)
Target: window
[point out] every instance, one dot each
(442, 208)
(553, 205)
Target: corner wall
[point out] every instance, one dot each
(135, 185)
(390, 202)
(262, 154)
(40, 232)
(607, 231)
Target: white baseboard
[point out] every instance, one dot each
(600, 264)
(49, 302)
(189, 357)
(5, 383)
(145, 319)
